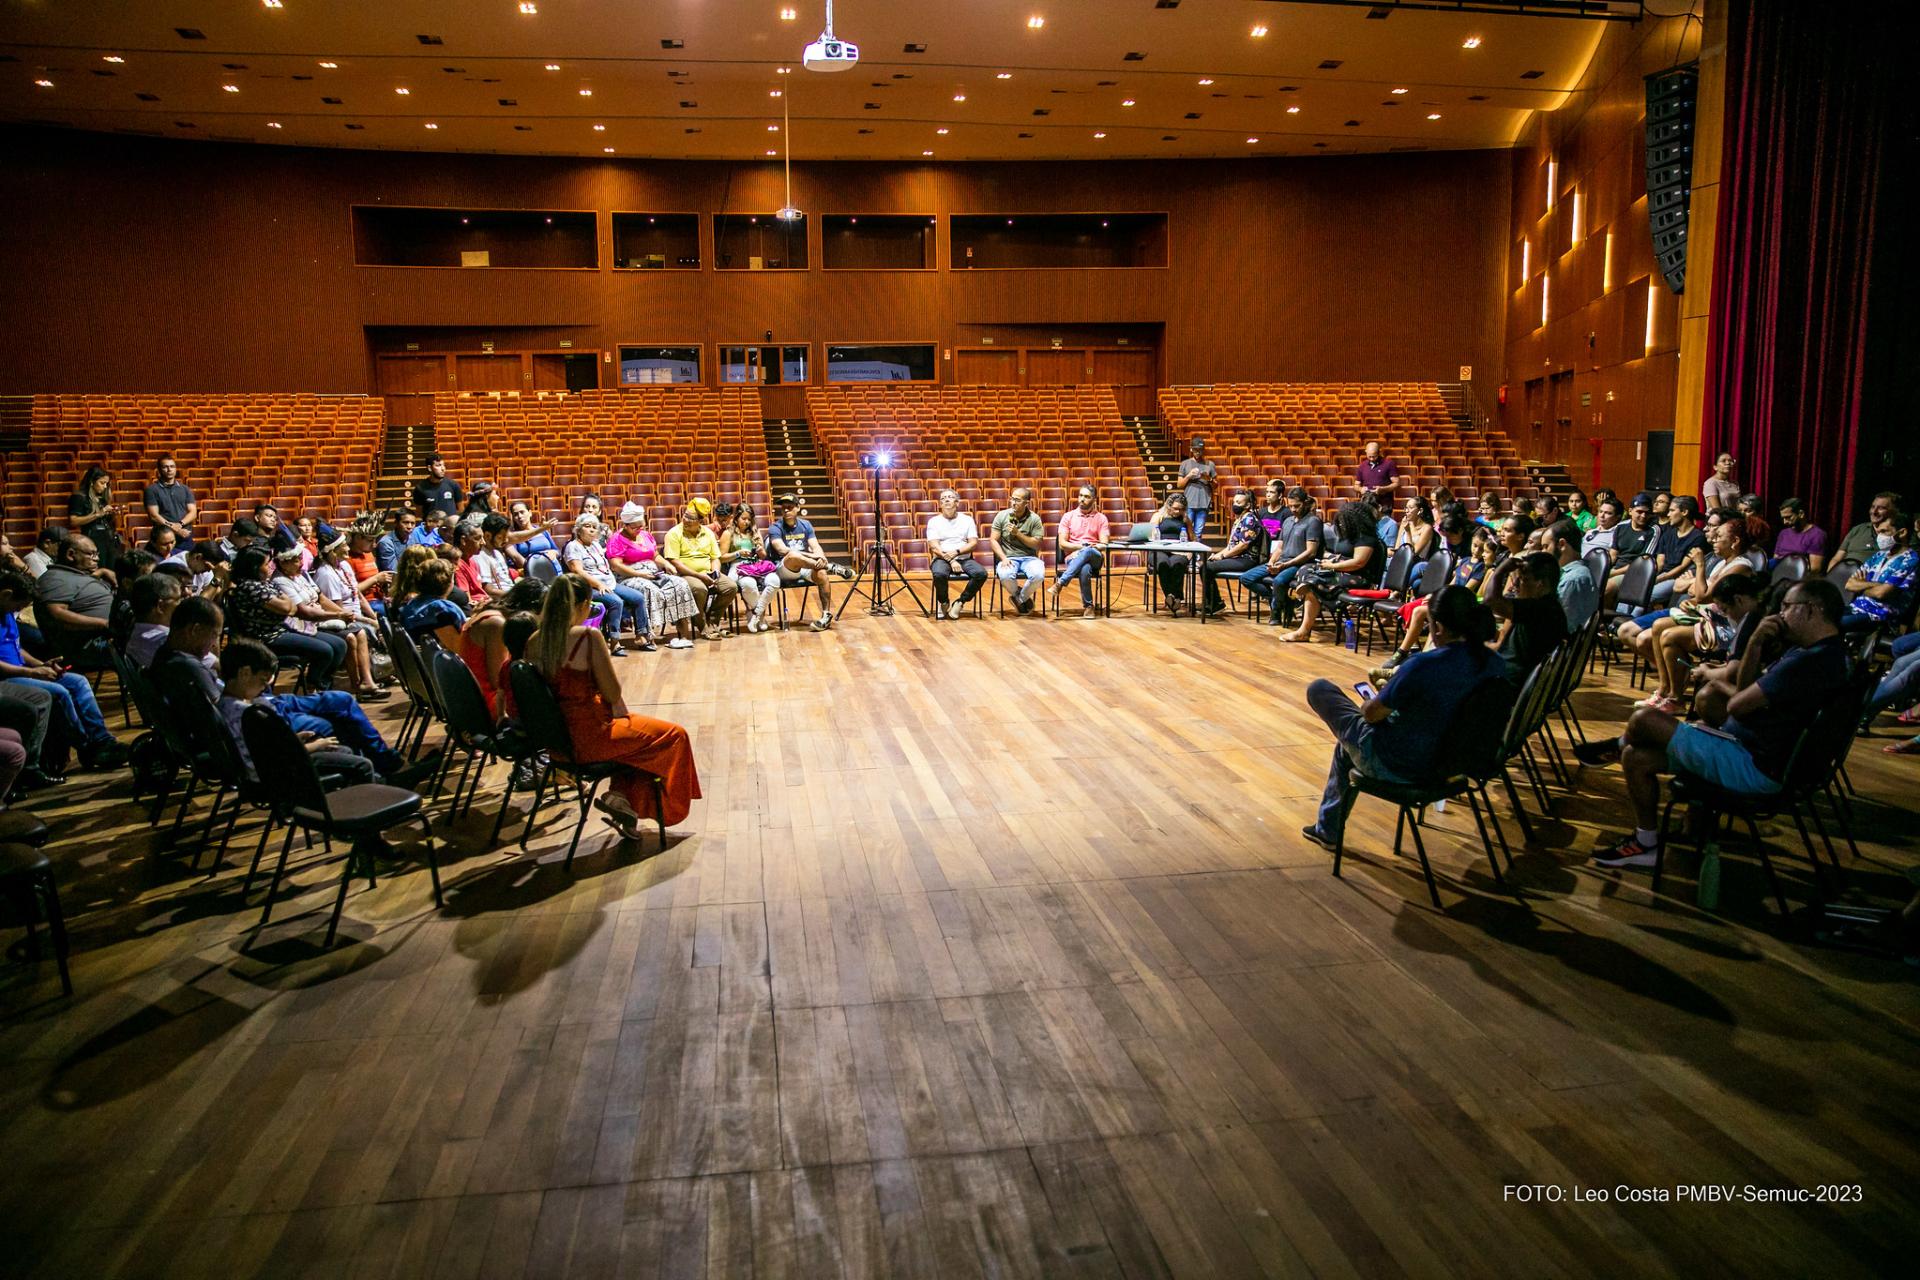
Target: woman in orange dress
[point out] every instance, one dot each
(483, 639)
(574, 659)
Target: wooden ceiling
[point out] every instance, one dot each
(959, 80)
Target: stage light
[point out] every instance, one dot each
(877, 461)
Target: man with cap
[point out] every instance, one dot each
(1198, 475)
(1630, 541)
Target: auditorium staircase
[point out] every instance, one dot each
(1156, 452)
(795, 466)
(403, 460)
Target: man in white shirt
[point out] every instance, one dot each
(40, 559)
(951, 538)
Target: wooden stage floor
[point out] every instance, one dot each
(992, 949)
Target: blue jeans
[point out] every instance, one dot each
(1198, 515)
(336, 714)
(322, 654)
(1901, 685)
(1032, 568)
(1084, 564)
(1353, 749)
(73, 707)
(1270, 583)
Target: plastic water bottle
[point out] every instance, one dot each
(1350, 634)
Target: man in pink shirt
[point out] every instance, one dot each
(1083, 545)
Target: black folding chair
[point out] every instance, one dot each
(545, 725)
(471, 729)
(1473, 755)
(360, 813)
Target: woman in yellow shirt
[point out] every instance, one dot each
(694, 553)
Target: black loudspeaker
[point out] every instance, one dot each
(1659, 460)
(1671, 98)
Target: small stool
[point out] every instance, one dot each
(26, 879)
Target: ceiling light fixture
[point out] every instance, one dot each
(926, 153)
(773, 93)
(599, 128)
(1257, 32)
(1251, 141)
(529, 8)
(773, 128)
(1036, 22)
(1099, 135)
(403, 91)
(773, 153)
(959, 97)
(1004, 75)
(551, 66)
(331, 66)
(789, 13)
(608, 150)
(231, 88)
(1126, 102)
(432, 125)
(273, 124)
(112, 57)
(1206, 80)
(44, 83)
(1471, 42)
(942, 131)
(586, 93)
(1433, 115)
(1293, 111)
(272, 4)
(789, 212)
(1399, 91)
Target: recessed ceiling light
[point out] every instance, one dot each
(272, 4)
(1099, 135)
(528, 7)
(1257, 32)
(1036, 22)
(112, 57)
(44, 83)
(432, 125)
(772, 152)
(1004, 75)
(231, 88)
(789, 13)
(1206, 80)
(599, 128)
(1433, 115)
(1251, 140)
(1293, 111)
(942, 130)
(781, 71)
(1471, 42)
(1399, 91)
(273, 124)
(551, 66)
(331, 66)
(774, 93)
(608, 150)
(1126, 102)
(959, 97)
(586, 93)
(773, 128)
(403, 91)
(926, 153)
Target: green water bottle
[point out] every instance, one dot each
(1706, 894)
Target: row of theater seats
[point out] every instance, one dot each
(980, 441)
(306, 453)
(1316, 431)
(660, 446)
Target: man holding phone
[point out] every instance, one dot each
(74, 708)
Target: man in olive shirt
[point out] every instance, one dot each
(1016, 548)
(1859, 544)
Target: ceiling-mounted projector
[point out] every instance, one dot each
(829, 52)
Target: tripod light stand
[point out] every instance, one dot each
(887, 581)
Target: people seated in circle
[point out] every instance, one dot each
(1524, 593)
(1016, 537)
(1401, 733)
(429, 609)
(694, 552)
(634, 556)
(258, 611)
(796, 549)
(1356, 559)
(573, 659)
(1295, 543)
(1245, 548)
(1170, 523)
(586, 559)
(744, 556)
(1881, 590)
(1747, 721)
(401, 522)
(951, 539)
(1084, 536)
(483, 637)
(528, 538)
(75, 712)
(317, 617)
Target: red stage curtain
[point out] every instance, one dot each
(1807, 129)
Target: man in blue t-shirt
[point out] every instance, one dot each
(1753, 716)
(387, 551)
(800, 558)
(1401, 734)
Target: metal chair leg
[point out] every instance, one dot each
(586, 807)
(539, 793)
(506, 803)
(1426, 868)
(1766, 862)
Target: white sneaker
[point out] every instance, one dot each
(679, 642)
(939, 613)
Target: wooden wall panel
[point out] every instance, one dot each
(993, 366)
(1624, 383)
(1325, 268)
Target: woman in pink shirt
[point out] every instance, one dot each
(635, 559)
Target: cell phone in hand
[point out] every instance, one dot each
(1366, 690)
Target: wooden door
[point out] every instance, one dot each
(490, 372)
(1057, 366)
(991, 366)
(1132, 372)
(1536, 427)
(549, 372)
(407, 382)
(1559, 418)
